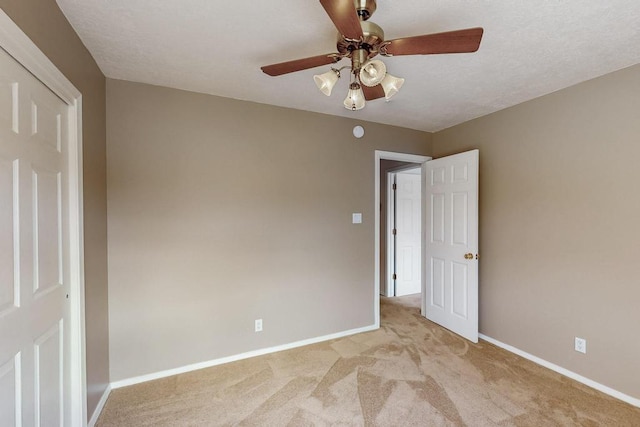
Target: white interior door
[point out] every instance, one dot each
(451, 243)
(34, 251)
(408, 268)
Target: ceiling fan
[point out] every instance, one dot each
(361, 40)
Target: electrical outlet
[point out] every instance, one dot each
(258, 325)
(581, 345)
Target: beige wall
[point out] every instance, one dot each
(45, 24)
(560, 225)
(222, 212)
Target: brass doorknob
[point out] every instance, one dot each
(468, 256)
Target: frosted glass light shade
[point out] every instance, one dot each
(327, 81)
(373, 72)
(391, 85)
(355, 98)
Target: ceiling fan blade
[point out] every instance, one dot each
(461, 41)
(300, 64)
(371, 93)
(344, 16)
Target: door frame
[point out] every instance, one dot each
(17, 44)
(384, 155)
(391, 288)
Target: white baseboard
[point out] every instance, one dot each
(567, 373)
(99, 407)
(223, 360)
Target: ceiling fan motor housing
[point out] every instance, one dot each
(372, 37)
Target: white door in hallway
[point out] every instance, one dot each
(34, 251)
(451, 243)
(407, 246)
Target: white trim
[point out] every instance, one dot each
(423, 244)
(390, 289)
(384, 155)
(20, 46)
(99, 407)
(76, 232)
(567, 373)
(17, 44)
(234, 358)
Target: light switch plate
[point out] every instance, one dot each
(356, 218)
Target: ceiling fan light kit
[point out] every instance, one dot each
(355, 97)
(391, 85)
(372, 73)
(327, 81)
(361, 40)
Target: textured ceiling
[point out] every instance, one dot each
(529, 48)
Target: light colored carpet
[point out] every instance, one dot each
(410, 372)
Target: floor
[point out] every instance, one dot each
(410, 372)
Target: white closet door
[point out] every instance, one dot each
(34, 251)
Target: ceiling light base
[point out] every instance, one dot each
(372, 37)
(365, 8)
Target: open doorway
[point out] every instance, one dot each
(386, 161)
(449, 204)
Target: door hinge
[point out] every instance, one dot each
(395, 187)
(394, 276)
(394, 231)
